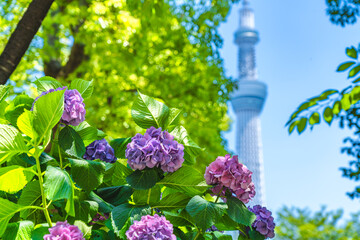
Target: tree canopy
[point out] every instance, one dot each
(296, 224)
(168, 49)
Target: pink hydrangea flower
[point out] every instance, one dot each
(64, 231)
(227, 173)
(151, 228)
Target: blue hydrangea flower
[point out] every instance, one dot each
(100, 149)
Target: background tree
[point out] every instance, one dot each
(168, 49)
(342, 105)
(296, 224)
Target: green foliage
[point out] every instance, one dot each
(167, 49)
(87, 174)
(238, 212)
(71, 142)
(144, 179)
(301, 224)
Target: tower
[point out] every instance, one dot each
(248, 100)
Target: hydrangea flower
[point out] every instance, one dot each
(64, 231)
(155, 148)
(74, 107)
(227, 173)
(264, 222)
(151, 228)
(100, 149)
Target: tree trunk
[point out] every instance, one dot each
(22, 36)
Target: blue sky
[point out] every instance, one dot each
(298, 53)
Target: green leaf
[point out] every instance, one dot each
(177, 219)
(116, 195)
(14, 178)
(121, 214)
(87, 133)
(30, 194)
(25, 124)
(85, 88)
(87, 174)
(173, 201)
(356, 80)
(7, 211)
(292, 126)
(58, 185)
(191, 149)
(205, 213)
(221, 236)
(103, 206)
(86, 210)
(40, 231)
(345, 102)
(120, 173)
(254, 235)
(355, 70)
(173, 118)
(314, 118)
(17, 107)
(46, 83)
(19, 231)
(4, 92)
(187, 180)
(71, 142)
(328, 115)
(238, 212)
(225, 223)
(147, 197)
(11, 143)
(143, 179)
(85, 229)
(351, 52)
(47, 113)
(148, 112)
(301, 125)
(345, 66)
(119, 146)
(337, 108)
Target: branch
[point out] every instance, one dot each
(22, 36)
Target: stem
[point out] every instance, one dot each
(197, 235)
(218, 195)
(60, 157)
(148, 197)
(46, 212)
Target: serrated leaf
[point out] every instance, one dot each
(17, 107)
(25, 124)
(48, 110)
(148, 112)
(58, 185)
(177, 220)
(119, 146)
(14, 178)
(7, 211)
(187, 180)
(86, 210)
(121, 172)
(205, 213)
(238, 212)
(143, 179)
(71, 142)
(11, 143)
(87, 133)
(173, 118)
(115, 195)
(345, 66)
(87, 174)
(191, 149)
(121, 214)
(30, 194)
(173, 201)
(85, 88)
(46, 83)
(147, 197)
(19, 231)
(351, 52)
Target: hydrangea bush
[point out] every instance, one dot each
(61, 178)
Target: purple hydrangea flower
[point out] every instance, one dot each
(155, 148)
(64, 231)
(151, 228)
(74, 107)
(264, 222)
(227, 173)
(100, 149)
(99, 218)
